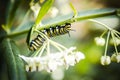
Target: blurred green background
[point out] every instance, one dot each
(82, 38)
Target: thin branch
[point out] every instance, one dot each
(70, 19)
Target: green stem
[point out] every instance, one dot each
(81, 16)
(103, 33)
(106, 46)
(42, 34)
(48, 47)
(56, 46)
(43, 48)
(73, 9)
(101, 24)
(116, 35)
(116, 32)
(114, 41)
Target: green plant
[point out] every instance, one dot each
(11, 52)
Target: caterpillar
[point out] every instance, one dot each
(51, 32)
(37, 42)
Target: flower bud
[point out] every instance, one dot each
(100, 41)
(117, 41)
(79, 56)
(113, 58)
(105, 60)
(118, 58)
(52, 66)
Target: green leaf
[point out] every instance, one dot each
(44, 9)
(14, 4)
(30, 35)
(15, 65)
(26, 23)
(89, 14)
(5, 28)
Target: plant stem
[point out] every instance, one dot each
(103, 33)
(70, 19)
(114, 41)
(106, 46)
(101, 24)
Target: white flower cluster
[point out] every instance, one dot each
(52, 61)
(115, 40)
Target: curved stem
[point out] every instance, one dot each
(101, 24)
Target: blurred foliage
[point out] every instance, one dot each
(88, 69)
(14, 63)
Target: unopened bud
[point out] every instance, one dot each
(105, 60)
(115, 57)
(100, 41)
(118, 58)
(117, 41)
